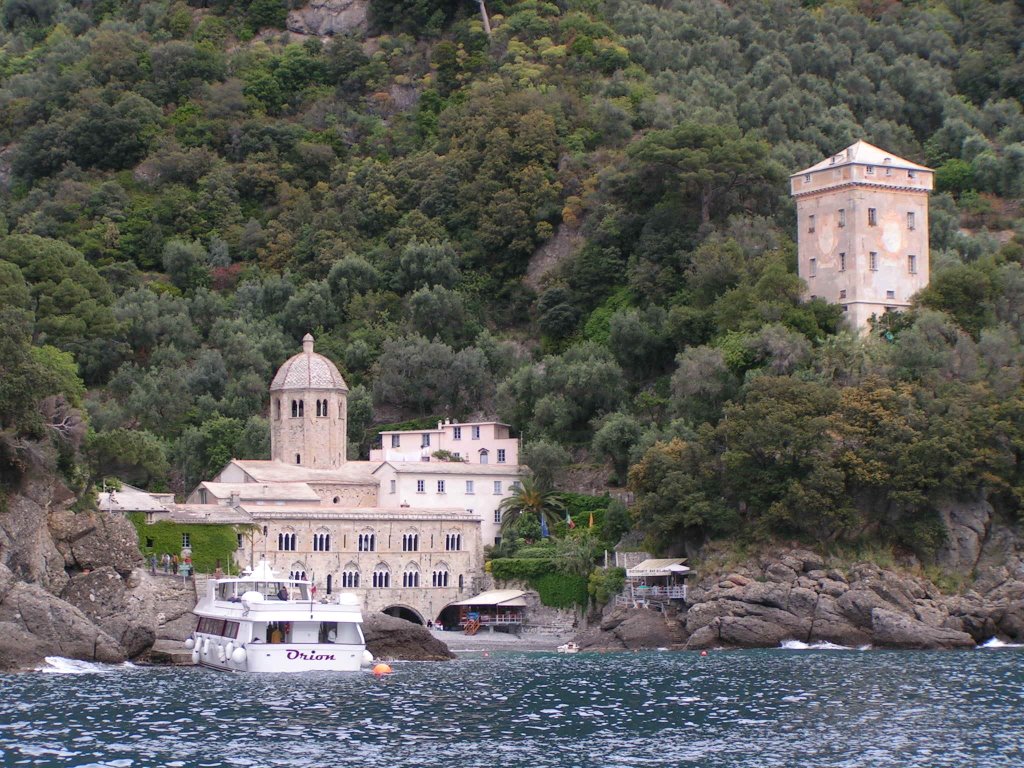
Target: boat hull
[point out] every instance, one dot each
(260, 657)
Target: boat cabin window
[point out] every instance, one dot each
(269, 590)
(340, 632)
(218, 627)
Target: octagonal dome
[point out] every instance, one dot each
(308, 370)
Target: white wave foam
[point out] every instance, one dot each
(61, 666)
(995, 642)
(797, 645)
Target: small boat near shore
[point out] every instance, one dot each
(568, 648)
(259, 622)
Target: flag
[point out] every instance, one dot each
(568, 520)
(591, 524)
(544, 532)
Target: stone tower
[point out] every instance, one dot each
(862, 230)
(308, 411)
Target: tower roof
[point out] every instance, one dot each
(308, 370)
(862, 153)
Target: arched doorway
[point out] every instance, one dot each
(402, 612)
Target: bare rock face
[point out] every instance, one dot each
(164, 603)
(892, 629)
(329, 17)
(967, 527)
(102, 596)
(35, 624)
(26, 545)
(391, 638)
(630, 629)
(89, 540)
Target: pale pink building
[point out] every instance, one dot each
(862, 230)
(474, 442)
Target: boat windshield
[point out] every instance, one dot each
(232, 591)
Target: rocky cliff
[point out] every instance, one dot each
(795, 594)
(72, 584)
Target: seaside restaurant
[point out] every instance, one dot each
(654, 583)
(499, 609)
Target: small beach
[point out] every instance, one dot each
(459, 642)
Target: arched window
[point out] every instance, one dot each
(350, 576)
(381, 577)
(298, 458)
(277, 408)
(330, 583)
(367, 542)
(318, 408)
(411, 577)
(302, 407)
(439, 578)
(461, 581)
(295, 409)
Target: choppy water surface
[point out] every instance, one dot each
(784, 707)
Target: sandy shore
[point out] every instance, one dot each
(459, 642)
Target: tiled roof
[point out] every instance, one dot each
(262, 471)
(276, 491)
(308, 370)
(863, 153)
(453, 468)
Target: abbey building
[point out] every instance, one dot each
(405, 530)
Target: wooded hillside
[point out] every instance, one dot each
(579, 224)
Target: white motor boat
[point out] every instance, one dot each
(261, 623)
(568, 648)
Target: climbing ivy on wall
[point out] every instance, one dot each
(209, 543)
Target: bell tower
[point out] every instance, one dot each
(309, 411)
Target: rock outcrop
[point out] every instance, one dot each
(792, 594)
(71, 585)
(329, 17)
(390, 638)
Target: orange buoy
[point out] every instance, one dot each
(379, 670)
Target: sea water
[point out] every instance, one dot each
(794, 706)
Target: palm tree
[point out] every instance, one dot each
(532, 499)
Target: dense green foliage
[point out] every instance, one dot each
(211, 545)
(180, 202)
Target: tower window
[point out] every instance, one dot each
(295, 409)
(872, 217)
(298, 458)
(810, 223)
(277, 408)
(302, 407)
(910, 220)
(873, 261)
(813, 270)
(842, 262)
(912, 264)
(842, 217)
